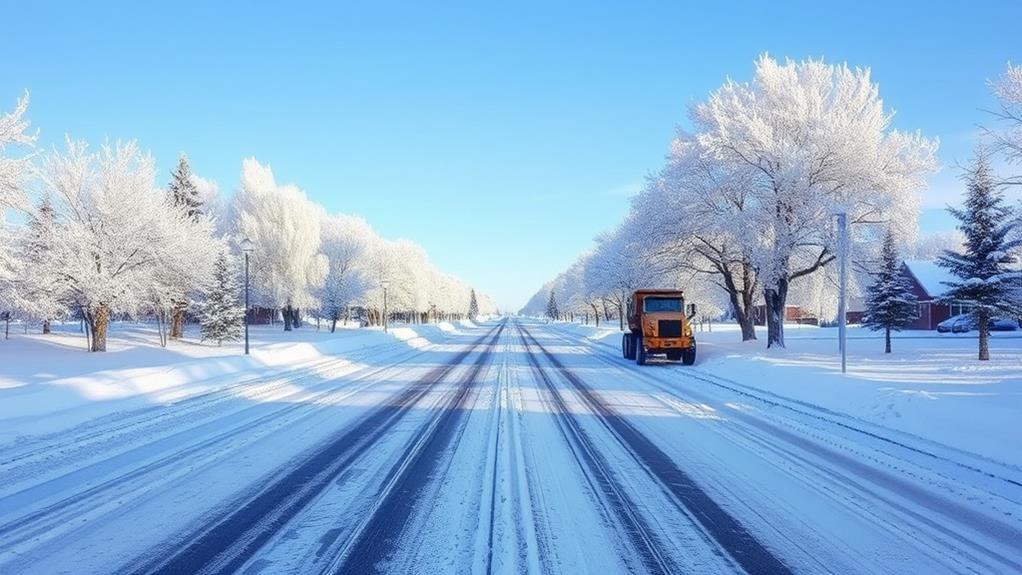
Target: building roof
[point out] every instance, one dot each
(931, 276)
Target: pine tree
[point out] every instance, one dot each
(221, 315)
(890, 304)
(41, 284)
(986, 281)
(183, 193)
(473, 306)
(551, 307)
(182, 189)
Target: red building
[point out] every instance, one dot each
(926, 281)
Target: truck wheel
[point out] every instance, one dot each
(625, 345)
(640, 351)
(688, 357)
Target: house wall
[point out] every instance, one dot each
(930, 312)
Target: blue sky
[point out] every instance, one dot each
(500, 136)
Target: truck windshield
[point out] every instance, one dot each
(668, 304)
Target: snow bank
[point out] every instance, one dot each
(49, 383)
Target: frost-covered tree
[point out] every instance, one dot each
(693, 213)
(1008, 89)
(39, 277)
(183, 192)
(809, 140)
(551, 307)
(619, 265)
(118, 231)
(222, 313)
(987, 281)
(14, 168)
(890, 304)
(473, 306)
(285, 227)
(345, 243)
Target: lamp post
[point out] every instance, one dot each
(246, 246)
(385, 284)
(842, 226)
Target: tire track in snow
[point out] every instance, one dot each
(1005, 473)
(226, 544)
(374, 541)
(725, 529)
(55, 519)
(599, 476)
(868, 481)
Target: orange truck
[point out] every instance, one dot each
(659, 324)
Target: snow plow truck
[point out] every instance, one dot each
(659, 324)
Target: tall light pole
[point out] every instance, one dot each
(246, 246)
(842, 226)
(385, 284)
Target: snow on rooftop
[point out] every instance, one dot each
(930, 276)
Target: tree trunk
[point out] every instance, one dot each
(742, 302)
(46, 327)
(596, 314)
(983, 316)
(160, 331)
(620, 317)
(776, 297)
(887, 340)
(287, 317)
(333, 323)
(177, 322)
(99, 321)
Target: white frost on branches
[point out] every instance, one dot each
(285, 227)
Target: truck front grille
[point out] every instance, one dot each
(669, 328)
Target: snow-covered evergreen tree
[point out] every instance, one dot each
(987, 281)
(551, 307)
(222, 314)
(183, 193)
(473, 305)
(40, 270)
(182, 189)
(890, 304)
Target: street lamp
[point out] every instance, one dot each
(385, 284)
(842, 333)
(246, 246)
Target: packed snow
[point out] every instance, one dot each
(506, 446)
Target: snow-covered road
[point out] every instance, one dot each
(513, 447)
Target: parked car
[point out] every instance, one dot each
(957, 324)
(966, 322)
(1004, 324)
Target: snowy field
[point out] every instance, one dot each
(512, 446)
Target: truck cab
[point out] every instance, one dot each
(659, 324)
